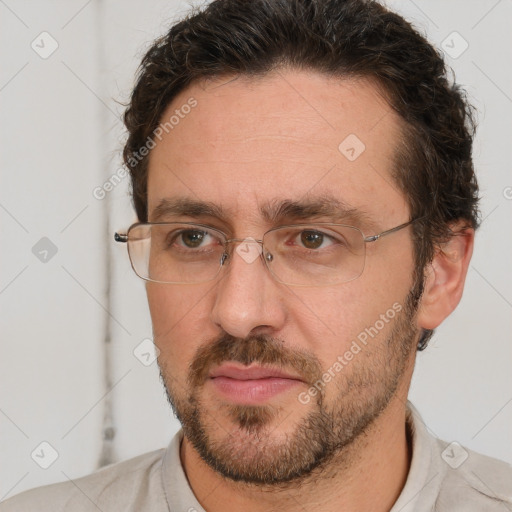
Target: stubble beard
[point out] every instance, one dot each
(252, 450)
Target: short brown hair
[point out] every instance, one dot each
(340, 38)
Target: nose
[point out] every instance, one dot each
(247, 299)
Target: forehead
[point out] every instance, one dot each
(287, 136)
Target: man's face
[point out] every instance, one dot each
(271, 380)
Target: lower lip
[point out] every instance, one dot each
(253, 391)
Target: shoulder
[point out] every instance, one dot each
(448, 477)
(125, 486)
(473, 481)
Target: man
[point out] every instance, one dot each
(303, 179)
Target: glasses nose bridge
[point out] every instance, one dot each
(248, 255)
(248, 239)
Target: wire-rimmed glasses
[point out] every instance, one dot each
(316, 254)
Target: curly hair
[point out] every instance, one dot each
(433, 165)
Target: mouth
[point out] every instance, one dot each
(251, 385)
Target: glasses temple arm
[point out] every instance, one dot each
(389, 231)
(120, 237)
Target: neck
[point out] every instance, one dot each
(369, 474)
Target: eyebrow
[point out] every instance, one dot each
(273, 212)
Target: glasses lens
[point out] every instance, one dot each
(175, 253)
(302, 255)
(315, 255)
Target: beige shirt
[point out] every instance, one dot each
(442, 477)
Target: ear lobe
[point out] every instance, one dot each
(445, 277)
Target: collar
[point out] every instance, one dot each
(425, 474)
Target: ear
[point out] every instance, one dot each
(445, 277)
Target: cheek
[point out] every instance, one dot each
(180, 321)
(331, 319)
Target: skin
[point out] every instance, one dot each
(249, 142)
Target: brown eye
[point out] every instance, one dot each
(193, 239)
(312, 239)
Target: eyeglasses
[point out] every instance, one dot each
(300, 254)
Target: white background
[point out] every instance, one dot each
(69, 325)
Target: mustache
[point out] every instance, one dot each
(263, 349)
